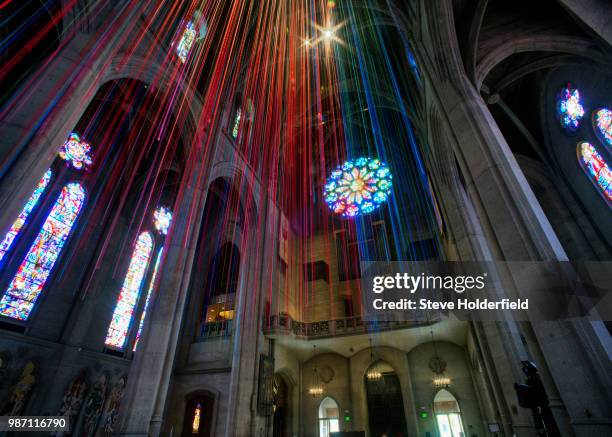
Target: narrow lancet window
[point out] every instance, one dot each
(130, 292)
(34, 271)
(597, 169)
(21, 221)
(603, 125)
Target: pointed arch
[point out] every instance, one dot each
(597, 169)
(602, 121)
(448, 414)
(31, 277)
(329, 417)
(130, 292)
(24, 215)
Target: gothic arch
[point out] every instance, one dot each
(246, 184)
(360, 362)
(534, 43)
(203, 391)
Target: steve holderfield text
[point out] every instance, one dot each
(460, 304)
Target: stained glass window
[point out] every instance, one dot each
(603, 123)
(162, 218)
(597, 168)
(26, 286)
(195, 426)
(186, 42)
(130, 291)
(571, 110)
(236, 126)
(18, 224)
(358, 187)
(76, 152)
(148, 298)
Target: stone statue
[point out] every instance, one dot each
(112, 406)
(21, 391)
(93, 407)
(72, 402)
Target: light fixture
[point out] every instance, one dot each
(315, 391)
(373, 373)
(316, 388)
(438, 367)
(328, 34)
(441, 382)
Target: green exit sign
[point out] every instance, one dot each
(347, 418)
(424, 414)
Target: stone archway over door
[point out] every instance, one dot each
(282, 419)
(385, 401)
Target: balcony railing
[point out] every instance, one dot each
(284, 324)
(215, 330)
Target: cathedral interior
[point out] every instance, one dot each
(189, 191)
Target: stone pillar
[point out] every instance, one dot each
(248, 339)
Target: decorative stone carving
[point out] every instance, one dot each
(21, 391)
(93, 407)
(437, 365)
(327, 374)
(73, 401)
(112, 407)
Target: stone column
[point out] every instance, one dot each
(248, 339)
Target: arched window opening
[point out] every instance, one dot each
(222, 206)
(242, 120)
(448, 415)
(329, 417)
(383, 389)
(148, 298)
(22, 219)
(198, 417)
(186, 41)
(34, 271)
(130, 292)
(222, 284)
(236, 123)
(193, 30)
(597, 169)
(602, 120)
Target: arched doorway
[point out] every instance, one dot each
(329, 417)
(198, 416)
(448, 415)
(383, 390)
(281, 407)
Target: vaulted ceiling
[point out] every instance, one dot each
(508, 47)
